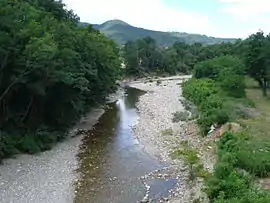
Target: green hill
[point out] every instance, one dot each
(122, 32)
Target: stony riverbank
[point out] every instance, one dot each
(160, 136)
(46, 177)
(49, 176)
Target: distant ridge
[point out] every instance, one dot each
(121, 32)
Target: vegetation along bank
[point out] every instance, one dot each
(54, 70)
(226, 93)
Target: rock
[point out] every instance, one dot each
(211, 129)
(144, 200)
(165, 199)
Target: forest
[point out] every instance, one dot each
(145, 56)
(52, 71)
(251, 55)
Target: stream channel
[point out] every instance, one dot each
(112, 160)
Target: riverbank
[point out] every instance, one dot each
(48, 176)
(160, 136)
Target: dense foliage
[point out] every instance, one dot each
(52, 71)
(241, 156)
(243, 57)
(229, 184)
(145, 56)
(228, 71)
(218, 82)
(122, 32)
(218, 90)
(257, 57)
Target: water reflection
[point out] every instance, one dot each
(111, 159)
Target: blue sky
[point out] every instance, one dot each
(219, 18)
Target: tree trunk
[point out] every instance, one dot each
(28, 109)
(14, 82)
(264, 87)
(260, 82)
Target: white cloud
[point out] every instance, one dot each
(150, 14)
(247, 10)
(251, 15)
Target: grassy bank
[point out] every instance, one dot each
(243, 156)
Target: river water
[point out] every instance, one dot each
(112, 160)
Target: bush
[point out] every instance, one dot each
(191, 158)
(197, 90)
(227, 183)
(168, 131)
(213, 67)
(227, 71)
(180, 116)
(7, 145)
(251, 154)
(28, 142)
(250, 196)
(254, 156)
(219, 94)
(209, 101)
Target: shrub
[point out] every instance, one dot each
(197, 90)
(249, 153)
(227, 71)
(180, 116)
(250, 196)
(254, 156)
(168, 131)
(227, 183)
(7, 145)
(190, 107)
(204, 123)
(213, 67)
(207, 97)
(28, 142)
(219, 94)
(232, 84)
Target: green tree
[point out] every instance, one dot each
(257, 59)
(228, 71)
(52, 71)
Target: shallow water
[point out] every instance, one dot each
(112, 161)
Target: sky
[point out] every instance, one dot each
(218, 18)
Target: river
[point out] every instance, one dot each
(110, 159)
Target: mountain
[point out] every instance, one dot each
(122, 32)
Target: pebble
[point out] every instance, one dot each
(156, 109)
(45, 177)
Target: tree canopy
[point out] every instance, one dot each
(52, 70)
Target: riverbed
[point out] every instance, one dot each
(122, 159)
(111, 158)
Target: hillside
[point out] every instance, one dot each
(122, 32)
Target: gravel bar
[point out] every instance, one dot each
(47, 177)
(156, 109)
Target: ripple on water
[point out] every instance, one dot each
(112, 162)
